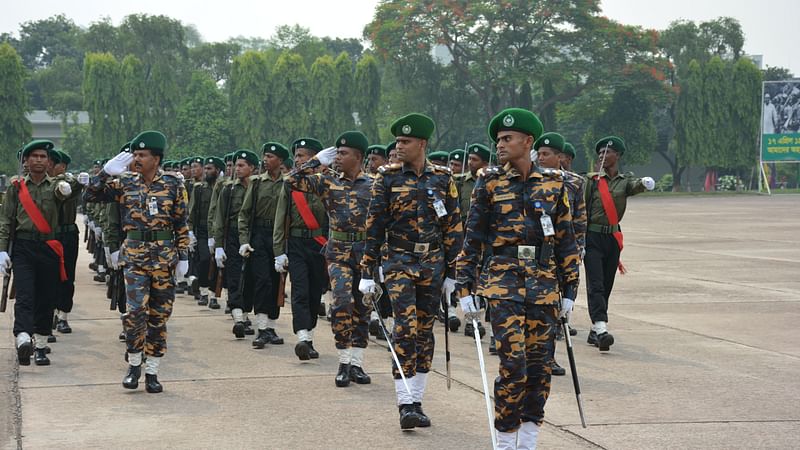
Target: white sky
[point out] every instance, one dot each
(769, 25)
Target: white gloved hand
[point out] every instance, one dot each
(534, 155)
(192, 240)
(211, 244)
(5, 261)
(649, 183)
(566, 307)
(64, 188)
(448, 287)
(327, 156)
(91, 225)
(181, 269)
(118, 164)
(115, 260)
(468, 305)
(219, 257)
(245, 250)
(83, 178)
(367, 286)
(281, 263)
(180, 176)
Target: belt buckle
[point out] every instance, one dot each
(526, 252)
(421, 247)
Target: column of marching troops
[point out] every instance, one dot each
(391, 231)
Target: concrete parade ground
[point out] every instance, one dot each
(706, 356)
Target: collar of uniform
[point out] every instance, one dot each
(603, 173)
(47, 178)
(512, 172)
(361, 175)
(267, 177)
(427, 168)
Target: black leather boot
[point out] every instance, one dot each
(248, 330)
(40, 357)
(492, 346)
(358, 375)
(213, 304)
(424, 421)
(63, 327)
(375, 327)
(151, 384)
(557, 369)
(409, 418)
(131, 380)
(302, 350)
(343, 375)
(24, 352)
(238, 330)
(51, 339)
(312, 352)
(274, 339)
(203, 301)
(454, 323)
(261, 340)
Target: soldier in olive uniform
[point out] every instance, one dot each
(31, 207)
(455, 161)
(520, 214)
(414, 209)
(155, 251)
(256, 221)
(376, 157)
(346, 197)
(199, 203)
(300, 251)
(603, 238)
(226, 178)
(439, 157)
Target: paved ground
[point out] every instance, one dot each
(706, 357)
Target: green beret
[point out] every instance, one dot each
(438, 156)
(552, 140)
(126, 147)
(246, 155)
(515, 119)
(216, 161)
(481, 150)
(65, 158)
(569, 149)
(309, 143)
(377, 149)
(413, 125)
(228, 156)
(276, 148)
(613, 142)
(198, 160)
(154, 141)
(353, 139)
(97, 162)
(39, 144)
(185, 161)
(54, 155)
(457, 155)
(390, 147)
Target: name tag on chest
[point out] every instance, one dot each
(501, 197)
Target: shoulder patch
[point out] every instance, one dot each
(553, 173)
(441, 168)
(389, 167)
(491, 172)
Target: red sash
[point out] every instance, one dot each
(307, 215)
(611, 213)
(41, 224)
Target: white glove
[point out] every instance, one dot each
(566, 307)
(281, 263)
(180, 176)
(115, 260)
(219, 257)
(245, 250)
(448, 287)
(380, 275)
(211, 244)
(83, 178)
(468, 305)
(534, 155)
(192, 240)
(98, 233)
(327, 156)
(5, 261)
(181, 269)
(118, 164)
(367, 286)
(107, 251)
(64, 188)
(649, 183)
(91, 225)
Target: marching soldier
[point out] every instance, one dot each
(256, 221)
(391, 153)
(28, 227)
(346, 197)
(226, 239)
(155, 251)
(376, 157)
(414, 208)
(440, 158)
(225, 179)
(304, 218)
(606, 196)
(199, 203)
(520, 214)
(455, 161)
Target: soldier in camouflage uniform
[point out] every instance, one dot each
(226, 251)
(32, 204)
(155, 251)
(199, 203)
(414, 209)
(346, 197)
(520, 214)
(299, 252)
(256, 220)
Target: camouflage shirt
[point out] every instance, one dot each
(506, 211)
(159, 206)
(347, 203)
(403, 207)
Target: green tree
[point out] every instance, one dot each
(60, 86)
(135, 96)
(630, 115)
(772, 73)
(716, 147)
(289, 92)
(40, 41)
(78, 145)
(15, 129)
(215, 58)
(343, 118)
(323, 98)
(745, 113)
(249, 94)
(367, 95)
(103, 37)
(690, 132)
(103, 101)
(202, 122)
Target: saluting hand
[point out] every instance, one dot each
(327, 156)
(118, 164)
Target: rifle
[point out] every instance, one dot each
(575, 383)
(225, 227)
(281, 300)
(12, 231)
(445, 303)
(246, 259)
(85, 232)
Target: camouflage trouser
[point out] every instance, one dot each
(150, 297)
(524, 336)
(349, 316)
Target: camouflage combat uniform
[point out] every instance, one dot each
(521, 287)
(154, 244)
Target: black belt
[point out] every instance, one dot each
(415, 247)
(34, 236)
(604, 229)
(150, 235)
(517, 251)
(66, 229)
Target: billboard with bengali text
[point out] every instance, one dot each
(780, 121)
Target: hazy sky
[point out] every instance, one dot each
(769, 25)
